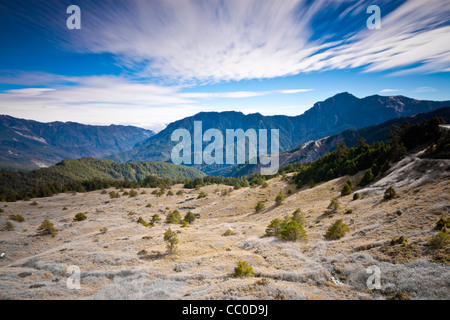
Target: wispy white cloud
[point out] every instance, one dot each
(107, 99)
(217, 40)
(389, 90)
(425, 89)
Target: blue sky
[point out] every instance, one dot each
(148, 63)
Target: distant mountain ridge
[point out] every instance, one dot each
(315, 149)
(27, 144)
(325, 118)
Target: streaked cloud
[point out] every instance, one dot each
(212, 40)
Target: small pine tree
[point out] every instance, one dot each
(243, 269)
(390, 193)
(299, 217)
(174, 217)
(346, 190)
(260, 206)
(337, 230)
(171, 240)
(368, 178)
(47, 228)
(155, 219)
(189, 217)
(292, 231)
(356, 196)
(334, 206)
(279, 199)
(274, 228)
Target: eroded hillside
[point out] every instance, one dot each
(128, 261)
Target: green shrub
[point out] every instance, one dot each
(349, 211)
(1, 210)
(243, 269)
(279, 199)
(264, 185)
(103, 230)
(171, 240)
(131, 213)
(144, 192)
(142, 221)
(133, 193)
(337, 230)
(149, 205)
(441, 240)
(346, 190)
(201, 195)
(169, 193)
(34, 203)
(47, 228)
(189, 217)
(260, 206)
(80, 217)
(442, 223)
(356, 196)
(17, 218)
(114, 195)
(227, 233)
(298, 216)
(400, 240)
(184, 224)
(334, 206)
(179, 193)
(125, 193)
(173, 217)
(390, 193)
(292, 231)
(155, 219)
(274, 228)
(368, 178)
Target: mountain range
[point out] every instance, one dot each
(26, 144)
(332, 116)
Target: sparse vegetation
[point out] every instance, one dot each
(356, 196)
(103, 230)
(170, 193)
(390, 193)
(201, 195)
(142, 221)
(280, 198)
(243, 269)
(189, 217)
(260, 206)
(400, 240)
(47, 228)
(154, 220)
(368, 178)
(17, 218)
(442, 223)
(227, 233)
(346, 190)
(337, 230)
(34, 203)
(441, 240)
(114, 195)
(334, 206)
(179, 193)
(80, 217)
(171, 240)
(174, 217)
(133, 193)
